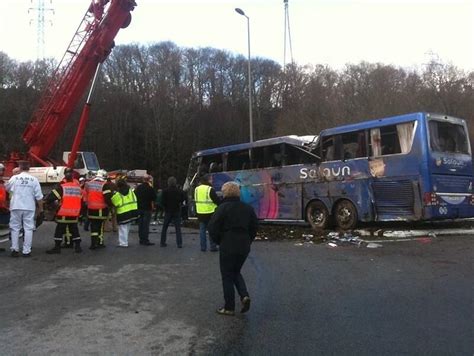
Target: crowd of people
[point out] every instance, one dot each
(229, 224)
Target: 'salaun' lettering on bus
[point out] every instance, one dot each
(315, 173)
(453, 162)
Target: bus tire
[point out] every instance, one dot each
(345, 214)
(317, 215)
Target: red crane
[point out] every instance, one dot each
(90, 46)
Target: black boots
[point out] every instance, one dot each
(56, 249)
(94, 241)
(77, 247)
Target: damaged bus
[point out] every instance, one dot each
(412, 167)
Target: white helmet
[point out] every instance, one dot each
(101, 173)
(2, 167)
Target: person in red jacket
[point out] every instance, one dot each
(69, 195)
(4, 211)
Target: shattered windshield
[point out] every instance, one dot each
(448, 137)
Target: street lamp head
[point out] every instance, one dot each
(240, 11)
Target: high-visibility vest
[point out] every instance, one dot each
(95, 197)
(125, 203)
(71, 200)
(202, 197)
(3, 197)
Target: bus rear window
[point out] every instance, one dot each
(448, 137)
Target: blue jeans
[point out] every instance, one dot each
(176, 220)
(203, 237)
(144, 225)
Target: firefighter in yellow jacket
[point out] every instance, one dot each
(69, 195)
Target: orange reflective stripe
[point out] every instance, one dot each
(71, 200)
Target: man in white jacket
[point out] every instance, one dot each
(26, 195)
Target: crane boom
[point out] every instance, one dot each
(91, 44)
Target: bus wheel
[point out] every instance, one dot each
(345, 215)
(317, 215)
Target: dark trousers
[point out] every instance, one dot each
(97, 231)
(68, 231)
(144, 225)
(176, 220)
(87, 223)
(231, 265)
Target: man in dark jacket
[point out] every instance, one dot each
(233, 227)
(172, 199)
(146, 197)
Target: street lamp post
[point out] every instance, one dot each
(241, 12)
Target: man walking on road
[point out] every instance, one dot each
(206, 202)
(146, 197)
(26, 197)
(172, 200)
(233, 227)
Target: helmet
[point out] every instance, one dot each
(68, 170)
(101, 173)
(2, 166)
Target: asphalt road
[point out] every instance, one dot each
(405, 298)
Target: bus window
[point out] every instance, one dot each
(272, 156)
(448, 137)
(238, 160)
(353, 145)
(332, 148)
(384, 141)
(211, 164)
(328, 149)
(295, 155)
(406, 133)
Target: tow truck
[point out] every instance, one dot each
(88, 49)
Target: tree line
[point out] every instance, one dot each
(156, 104)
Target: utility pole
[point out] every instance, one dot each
(38, 6)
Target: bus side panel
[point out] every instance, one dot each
(398, 181)
(289, 201)
(337, 180)
(256, 189)
(356, 191)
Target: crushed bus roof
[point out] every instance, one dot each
(291, 139)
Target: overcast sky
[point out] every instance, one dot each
(332, 32)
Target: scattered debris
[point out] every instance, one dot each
(373, 245)
(345, 238)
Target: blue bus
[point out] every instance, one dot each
(413, 167)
